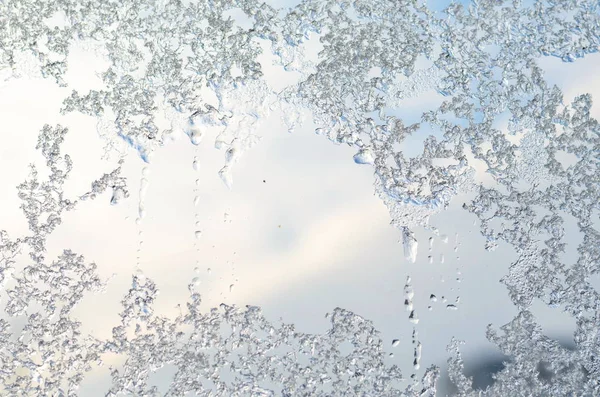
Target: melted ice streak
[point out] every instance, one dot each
(162, 54)
(410, 245)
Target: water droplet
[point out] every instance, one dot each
(430, 258)
(195, 136)
(364, 156)
(395, 342)
(444, 238)
(413, 317)
(209, 270)
(196, 201)
(193, 284)
(410, 245)
(143, 186)
(226, 176)
(230, 155)
(231, 287)
(442, 258)
(118, 195)
(433, 298)
(416, 362)
(451, 307)
(197, 269)
(198, 234)
(196, 164)
(146, 171)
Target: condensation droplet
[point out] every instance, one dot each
(413, 317)
(198, 234)
(195, 136)
(416, 362)
(117, 196)
(225, 175)
(410, 245)
(143, 187)
(395, 342)
(364, 156)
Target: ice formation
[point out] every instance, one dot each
(162, 54)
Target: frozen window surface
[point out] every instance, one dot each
(235, 155)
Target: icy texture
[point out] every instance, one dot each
(224, 352)
(165, 54)
(410, 245)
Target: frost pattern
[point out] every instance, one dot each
(162, 54)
